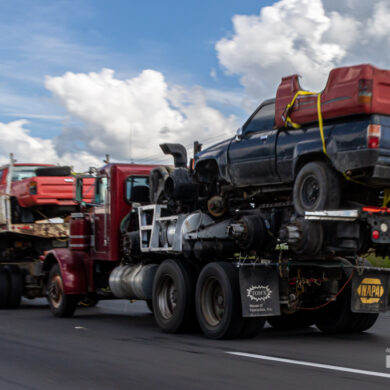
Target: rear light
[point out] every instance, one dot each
(373, 136)
(375, 234)
(365, 91)
(33, 187)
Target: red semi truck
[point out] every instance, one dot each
(191, 268)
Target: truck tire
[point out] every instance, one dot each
(364, 321)
(61, 304)
(251, 327)
(173, 296)
(218, 303)
(149, 304)
(298, 320)
(337, 317)
(15, 286)
(4, 288)
(316, 187)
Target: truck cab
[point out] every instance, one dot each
(95, 237)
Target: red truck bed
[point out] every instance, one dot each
(360, 89)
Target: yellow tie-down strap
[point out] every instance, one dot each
(289, 122)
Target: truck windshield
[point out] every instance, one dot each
(20, 173)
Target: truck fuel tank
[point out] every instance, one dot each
(133, 281)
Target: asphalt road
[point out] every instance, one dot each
(118, 346)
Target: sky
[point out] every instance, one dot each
(85, 78)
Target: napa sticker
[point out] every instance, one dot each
(370, 290)
(259, 293)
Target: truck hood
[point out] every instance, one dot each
(214, 151)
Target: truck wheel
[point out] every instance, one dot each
(61, 304)
(363, 321)
(217, 299)
(337, 317)
(16, 286)
(149, 304)
(251, 327)
(4, 288)
(316, 187)
(173, 296)
(298, 320)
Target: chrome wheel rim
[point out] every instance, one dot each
(212, 301)
(167, 297)
(56, 291)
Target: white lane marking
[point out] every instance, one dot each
(309, 364)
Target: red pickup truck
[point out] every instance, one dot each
(39, 191)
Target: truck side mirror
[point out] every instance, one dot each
(79, 189)
(239, 133)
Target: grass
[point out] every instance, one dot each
(378, 261)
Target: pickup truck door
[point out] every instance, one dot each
(252, 155)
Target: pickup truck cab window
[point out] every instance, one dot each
(263, 119)
(252, 156)
(20, 173)
(137, 189)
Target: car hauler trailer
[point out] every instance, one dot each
(146, 237)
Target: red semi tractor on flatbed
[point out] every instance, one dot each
(191, 268)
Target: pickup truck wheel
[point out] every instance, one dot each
(4, 288)
(173, 296)
(16, 286)
(218, 304)
(61, 304)
(316, 187)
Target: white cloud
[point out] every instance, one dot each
(130, 118)
(308, 37)
(16, 139)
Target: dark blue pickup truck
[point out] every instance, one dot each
(265, 164)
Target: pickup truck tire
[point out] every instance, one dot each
(173, 296)
(316, 187)
(4, 288)
(218, 303)
(61, 304)
(15, 286)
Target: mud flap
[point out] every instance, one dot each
(370, 293)
(259, 289)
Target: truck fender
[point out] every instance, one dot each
(305, 152)
(72, 269)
